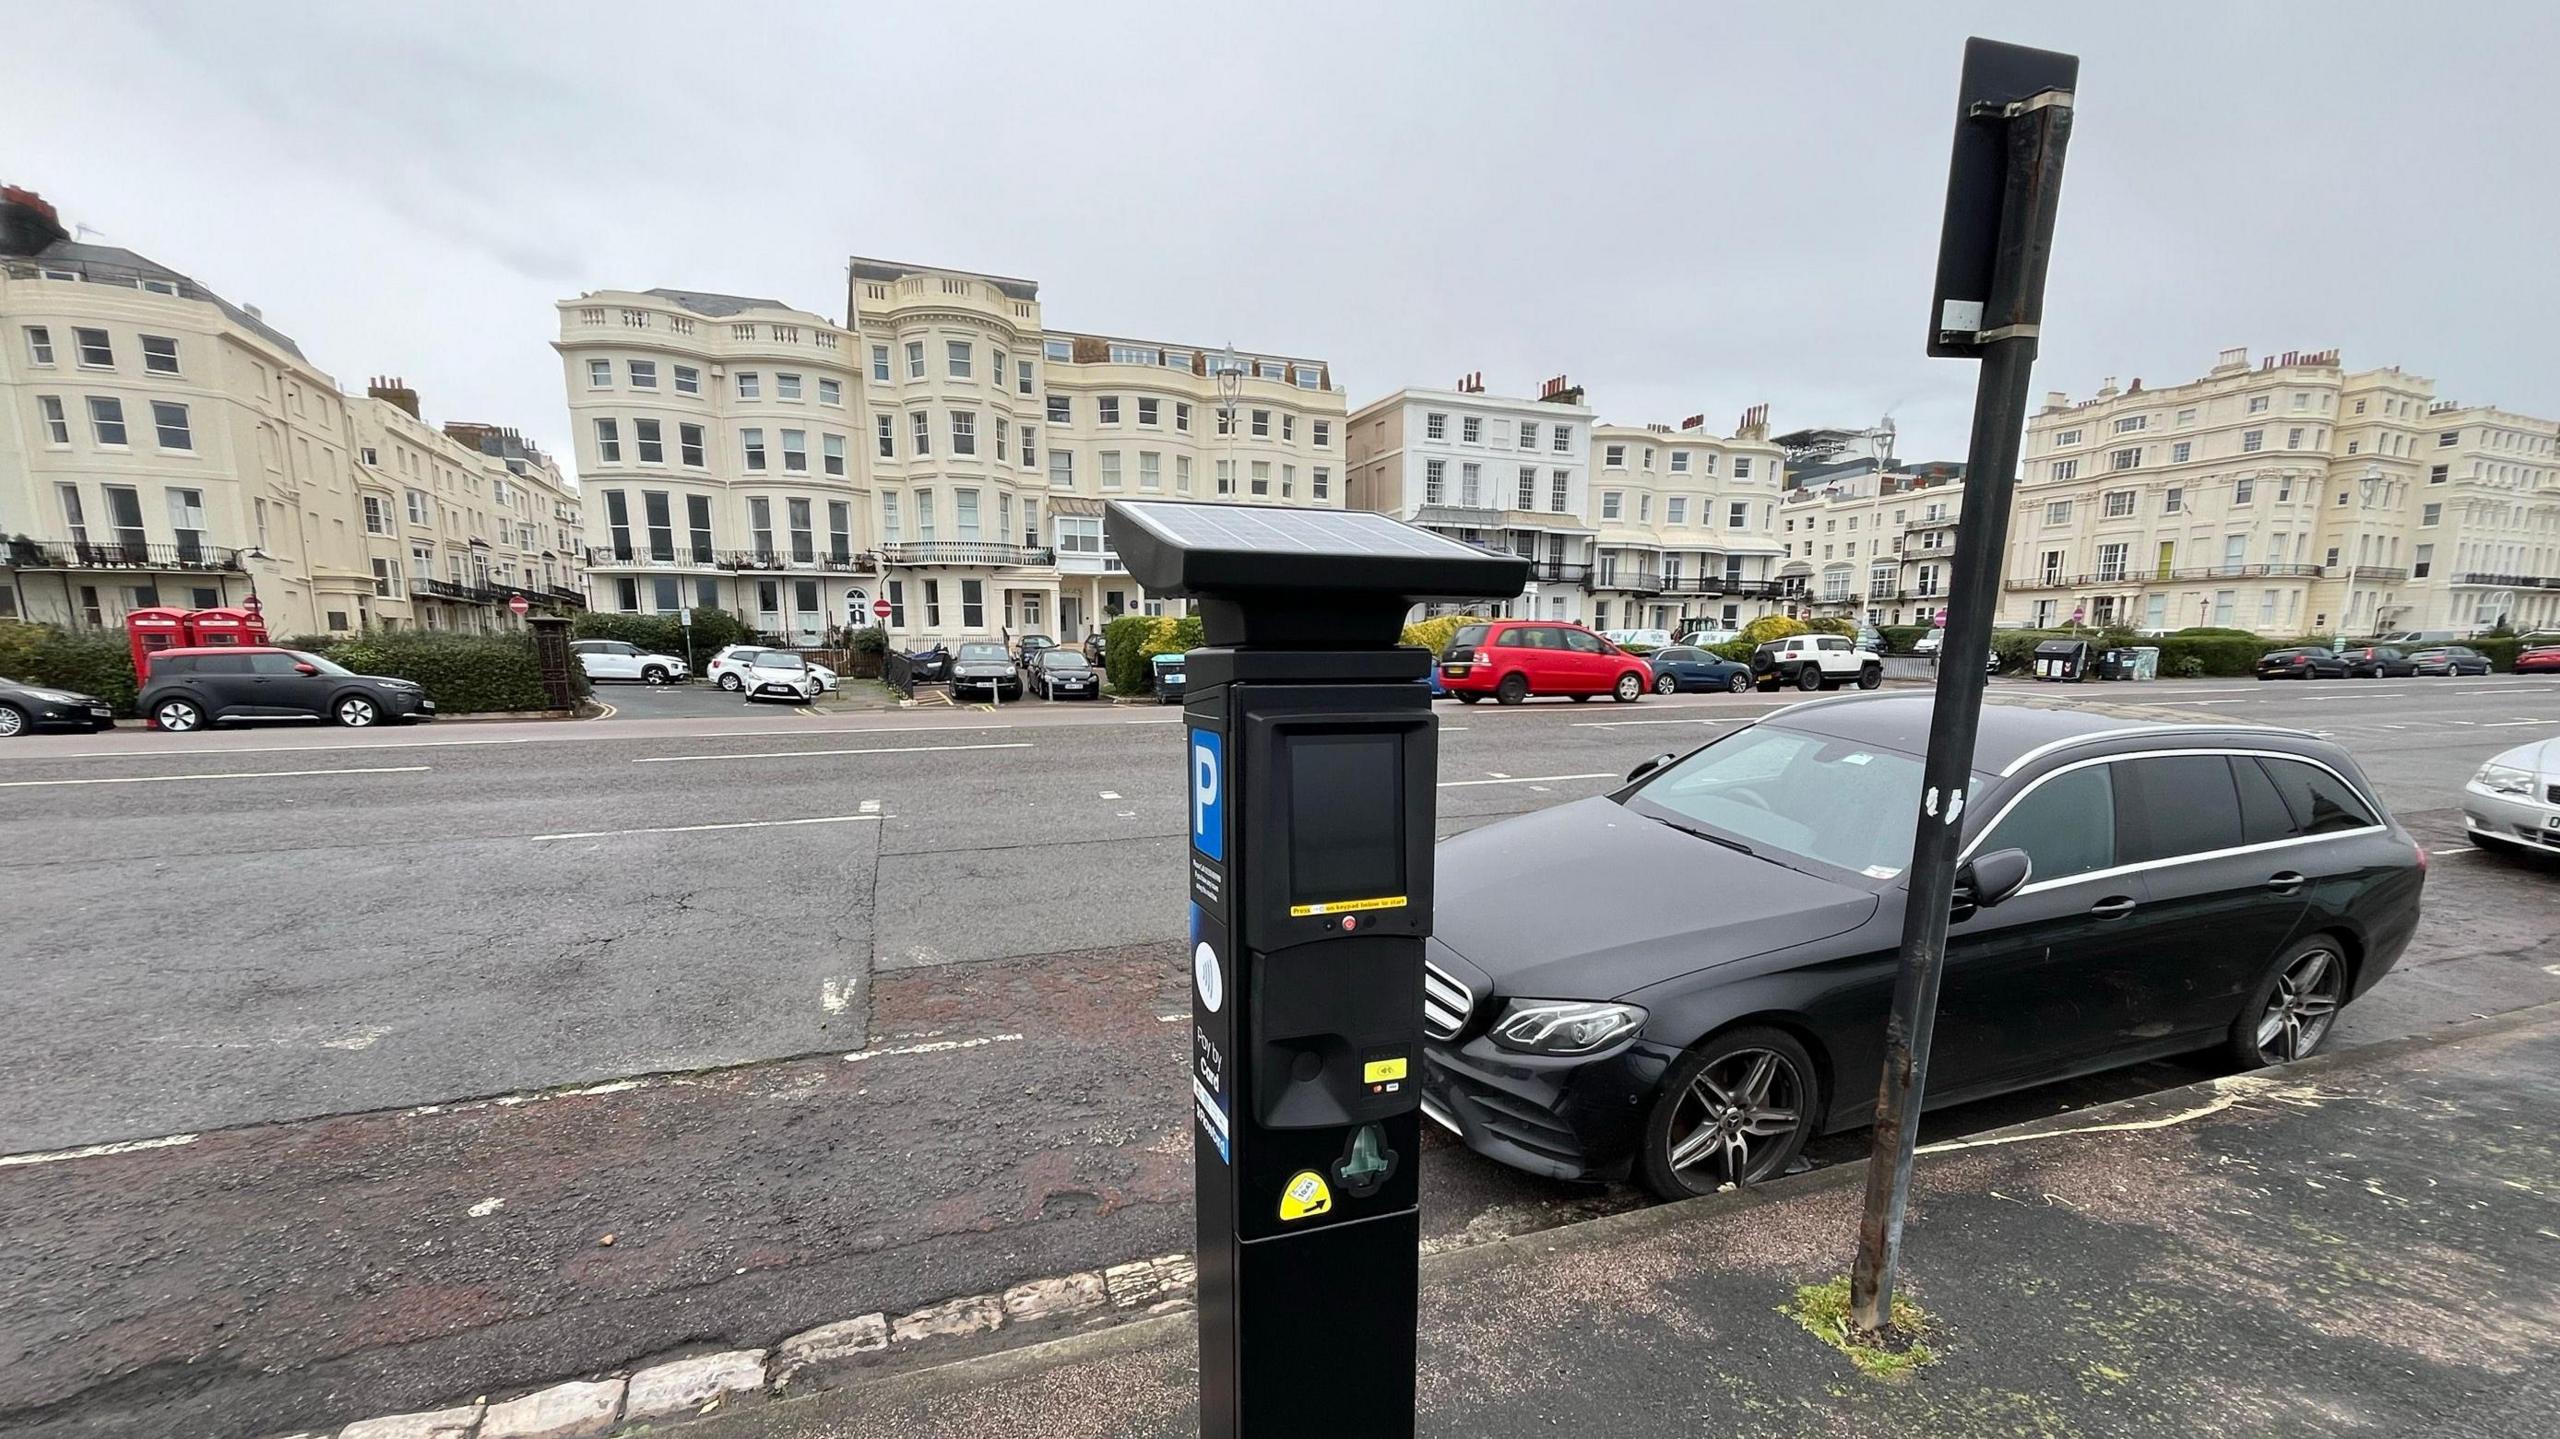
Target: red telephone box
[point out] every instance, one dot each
(226, 627)
(152, 630)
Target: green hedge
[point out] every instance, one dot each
(1898, 639)
(1435, 633)
(463, 674)
(94, 662)
(1124, 651)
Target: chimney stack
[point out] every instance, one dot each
(28, 223)
(393, 391)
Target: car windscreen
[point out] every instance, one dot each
(776, 660)
(982, 654)
(1794, 795)
(325, 665)
(1062, 660)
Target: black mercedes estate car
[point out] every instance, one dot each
(1687, 979)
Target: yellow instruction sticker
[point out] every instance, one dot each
(1346, 906)
(1306, 1196)
(1379, 1071)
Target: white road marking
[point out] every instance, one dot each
(871, 806)
(938, 1046)
(2210, 702)
(2511, 724)
(1527, 779)
(241, 774)
(1499, 774)
(1110, 794)
(2457, 849)
(97, 1151)
(835, 994)
(820, 753)
(702, 828)
(1454, 728)
(273, 749)
(1623, 724)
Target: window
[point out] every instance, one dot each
(957, 358)
(95, 352)
(1288, 481)
(1078, 535)
(2235, 551)
(417, 508)
(2293, 438)
(1614, 457)
(2444, 441)
(2244, 489)
(1149, 477)
(888, 436)
(973, 604)
(697, 519)
(1435, 481)
(832, 449)
(688, 380)
(1106, 409)
(964, 432)
(2422, 562)
(644, 374)
(1110, 469)
(106, 418)
(39, 345)
(2176, 805)
(1471, 485)
(1059, 412)
(170, 421)
(915, 359)
(1262, 477)
(1435, 427)
(1527, 496)
(2316, 800)
(1564, 440)
(2119, 504)
(2066, 825)
(1022, 376)
(2428, 515)
(1741, 466)
(920, 433)
(2174, 501)
(2131, 423)
(2067, 437)
(1319, 485)
(2257, 404)
(1062, 469)
(661, 522)
(1182, 418)
(964, 505)
(880, 363)
(890, 529)
(377, 516)
(1679, 462)
(1528, 434)
(1471, 429)
(1738, 515)
(786, 387)
(2125, 459)
(2111, 560)
(749, 385)
(1612, 504)
(2057, 512)
(1262, 424)
(2252, 441)
(652, 449)
(1030, 446)
(1147, 411)
(160, 354)
(689, 445)
(2438, 474)
(57, 429)
(751, 445)
(2066, 469)
(1288, 426)
(1182, 475)
(386, 578)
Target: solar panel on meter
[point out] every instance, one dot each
(1173, 548)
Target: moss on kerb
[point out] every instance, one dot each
(1823, 1309)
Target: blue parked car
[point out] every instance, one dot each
(1686, 667)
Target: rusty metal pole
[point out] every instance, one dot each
(2036, 129)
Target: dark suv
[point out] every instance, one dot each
(188, 689)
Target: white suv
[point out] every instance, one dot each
(1815, 662)
(616, 660)
(728, 669)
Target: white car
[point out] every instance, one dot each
(1928, 644)
(616, 660)
(1704, 639)
(727, 669)
(1815, 662)
(779, 675)
(1658, 639)
(2514, 801)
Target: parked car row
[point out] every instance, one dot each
(1511, 661)
(2378, 661)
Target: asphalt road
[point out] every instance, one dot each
(871, 1009)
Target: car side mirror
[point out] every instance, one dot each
(1649, 766)
(306, 668)
(1988, 879)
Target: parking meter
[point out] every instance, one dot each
(1312, 761)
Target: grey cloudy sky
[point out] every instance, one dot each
(1687, 207)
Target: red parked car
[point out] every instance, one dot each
(1514, 659)
(2540, 660)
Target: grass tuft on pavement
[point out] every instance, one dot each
(1823, 1309)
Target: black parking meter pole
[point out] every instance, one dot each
(1312, 762)
(2013, 122)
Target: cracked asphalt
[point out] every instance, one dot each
(871, 1007)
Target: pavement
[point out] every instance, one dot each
(336, 1056)
(2360, 1245)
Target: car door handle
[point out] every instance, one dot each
(2285, 883)
(2114, 906)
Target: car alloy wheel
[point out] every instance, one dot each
(653, 676)
(1809, 677)
(13, 722)
(1736, 1112)
(2295, 1008)
(355, 712)
(178, 716)
(1870, 678)
(731, 684)
(1740, 684)
(1630, 688)
(1513, 689)
(1666, 684)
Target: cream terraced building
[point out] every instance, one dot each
(458, 521)
(2289, 496)
(1877, 548)
(1686, 525)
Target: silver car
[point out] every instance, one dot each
(2513, 803)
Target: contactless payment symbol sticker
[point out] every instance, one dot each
(1204, 974)
(1306, 1196)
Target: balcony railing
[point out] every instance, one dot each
(2509, 582)
(965, 552)
(1460, 517)
(2377, 574)
(2056, 580)
(28, 554)
(459, 594)
(851, 562)
(1642, 582)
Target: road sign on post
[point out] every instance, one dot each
(2013, 120)
(1311, 761)
(519, 604)
(880, 610)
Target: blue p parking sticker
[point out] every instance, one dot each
(1208, 793)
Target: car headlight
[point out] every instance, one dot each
(2504, 779)
(1551, 1026)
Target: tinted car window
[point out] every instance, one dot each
(1468, 637)
(1796, 793)
(222, 664)
(2263, 814)
(162, 669)
(1531, 637)
(2320, 802)
(1580, 640)
(2066, 825)
(272, 664)
(2171, 805)
(1680, 655)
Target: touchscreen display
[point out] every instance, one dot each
(1346, 817)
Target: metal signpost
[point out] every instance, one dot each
(2013, 120)
(1312, 762)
